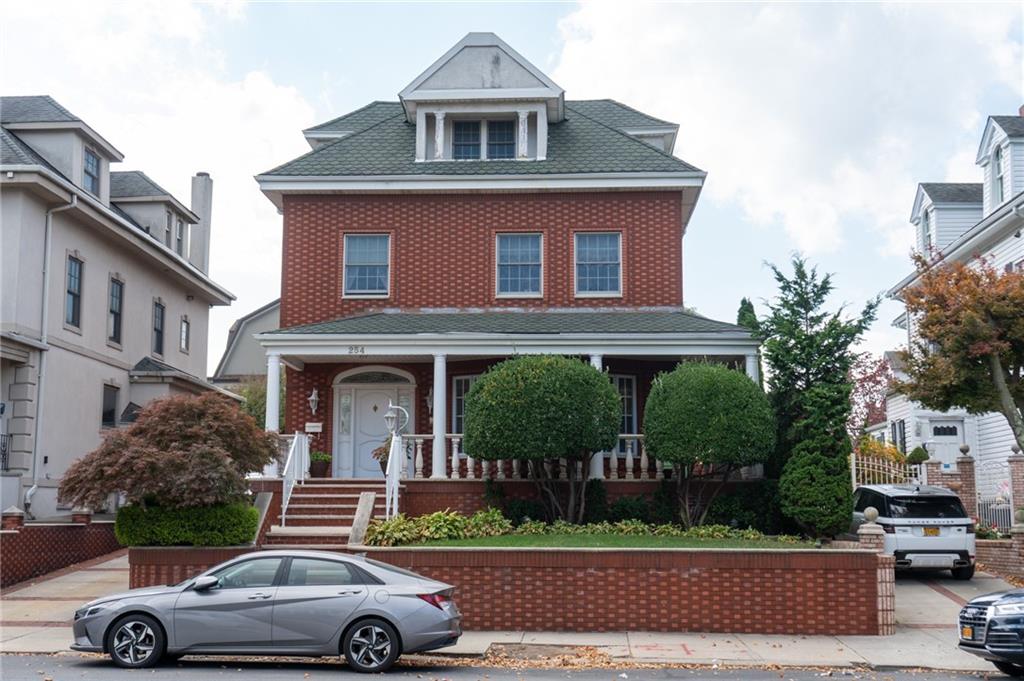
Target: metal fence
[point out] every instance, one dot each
(867, 470)
(995, 495)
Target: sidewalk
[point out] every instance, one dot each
(35, 617)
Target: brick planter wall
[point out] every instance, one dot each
(736, 591)
(156, 565)
(1004, 556)
(36, 549)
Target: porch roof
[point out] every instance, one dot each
(516, 323)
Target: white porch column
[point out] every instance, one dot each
(597, 461)
(438, 469)
(438, 135)
(752, 368)
(523, 149)
(273, 420)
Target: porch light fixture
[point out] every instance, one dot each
(314, 401)
(391, 418)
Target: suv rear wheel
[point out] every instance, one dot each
(963, 573)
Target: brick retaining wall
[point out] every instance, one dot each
(156, 565)
(36, 549)
(1002, 555)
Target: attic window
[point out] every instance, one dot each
(997, 175)
(926, 230)
(465, 140)
(91, 173)
(501, 139)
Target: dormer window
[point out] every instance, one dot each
(466, 140)
(926, 231)
(998, 192)
(501, 139)
(91, 172)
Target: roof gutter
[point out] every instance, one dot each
(44, 314)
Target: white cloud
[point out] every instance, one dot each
(151, 79)
(814, 116)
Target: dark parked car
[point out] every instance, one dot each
(276, 603)
(992, 627)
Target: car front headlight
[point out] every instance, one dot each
(1008, 609)
(93, 610)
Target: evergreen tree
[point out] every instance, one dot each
(746, 316)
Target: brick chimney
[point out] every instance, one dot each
(1020, 111)
(199, 237)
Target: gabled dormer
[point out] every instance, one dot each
(153, 209)
(1001, 157)
(65, 141)
(942, 212)
(482, 101)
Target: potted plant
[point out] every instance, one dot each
(381, 454)
(319, 464)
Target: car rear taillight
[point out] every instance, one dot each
(889, 529)
(436, 600)
(970, 529)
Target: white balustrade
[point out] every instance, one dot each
(629, 459)
(455, 457)
(515, 468)
(296, 469)
(501, 469)
(418, 465)
(644, 462)
(659, 470)
(613, 463)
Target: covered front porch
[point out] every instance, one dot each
(342, 375)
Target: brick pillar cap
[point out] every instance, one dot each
(13, 510)
(1017, 528)
(1016, 456)
(870, 528)
(82, 509)
(965, 458)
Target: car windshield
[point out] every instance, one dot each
(926, 507)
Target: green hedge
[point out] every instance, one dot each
(226, 525)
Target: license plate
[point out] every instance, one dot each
(967, 633)
(931, 532)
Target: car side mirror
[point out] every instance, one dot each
(205, 582)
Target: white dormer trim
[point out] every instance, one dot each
(988, 140)
(96, 140)
(441, 137)
(668, 132)
(411, 96)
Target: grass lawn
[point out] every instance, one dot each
(615, 541)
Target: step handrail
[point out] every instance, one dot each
(296, 468)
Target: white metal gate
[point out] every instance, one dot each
(995, 494)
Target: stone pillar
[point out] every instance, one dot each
(12, 518)
(523, 146)
(438, 469)
(273, 413)
(870, 535)
(752, 368)
(81, 515)
(22, 415)
(597, 461)
(1016, 464)
(968, 490)
(1017, 538)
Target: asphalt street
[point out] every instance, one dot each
(72, 667)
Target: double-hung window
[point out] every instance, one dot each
(179, 237)
(466, 140)
(116, 309)
(501, 139)
(91, 173)
(108, 417)
(158, 329)
(460, 388)
(926, 231)
(170, 229)
(367, 264)
(185, 335)
(73, 299)
(998, 190)
(519, 265)
(626, 386)
(598, 264)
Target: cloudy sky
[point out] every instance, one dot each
(814, 121)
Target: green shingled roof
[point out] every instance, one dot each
(589, 140)
(621, 323)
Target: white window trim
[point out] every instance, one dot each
(163, 328)
(998, 184)
(497, 290)
(188, 337)
(115, 277)
(344, 264)
(99, 170)
(631, 377)
(575, 262)
(68, 326)
(483, 120)
(451, 421)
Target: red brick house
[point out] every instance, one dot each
(481, 216)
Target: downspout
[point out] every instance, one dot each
(43, 338)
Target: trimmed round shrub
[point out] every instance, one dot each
(815, 491)
(223, 525)
(704, 418)
(917, 456)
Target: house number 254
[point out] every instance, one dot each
(357, 349)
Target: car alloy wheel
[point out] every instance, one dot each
(134, 642)
(371, 646)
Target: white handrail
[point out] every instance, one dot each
(392, 474)
(296, 468)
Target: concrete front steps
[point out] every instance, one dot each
(320, 513)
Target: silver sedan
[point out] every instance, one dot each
(276, 603)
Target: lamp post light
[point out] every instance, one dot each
(314, 401)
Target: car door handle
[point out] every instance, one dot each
(258, 596)
(351, 592)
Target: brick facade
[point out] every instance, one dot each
(960, 481)
(36, 549)
(735, 591)
(443, 248)
(1004, 556)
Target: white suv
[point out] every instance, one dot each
(925, 527)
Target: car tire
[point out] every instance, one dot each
(371, 646)
(135, 642)
(963, 573)
(1014, 670)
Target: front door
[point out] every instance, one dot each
(946, 438)
(368, 428)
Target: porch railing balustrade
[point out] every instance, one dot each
(628, 461)
(296, 469)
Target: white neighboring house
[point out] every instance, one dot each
(106, 295)
(964, 222)
(244, 358)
